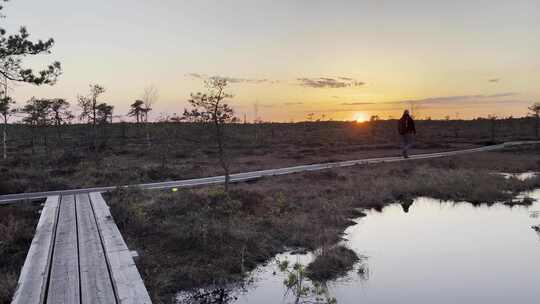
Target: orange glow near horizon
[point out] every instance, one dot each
(360, 117)
(473, 65)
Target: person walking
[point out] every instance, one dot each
(407, 131)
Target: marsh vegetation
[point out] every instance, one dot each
(206, 238)
(61, 157)
(17, 226)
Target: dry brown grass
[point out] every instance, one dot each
(17, 225)
(188, 151)
(203, 237)
(8, 284)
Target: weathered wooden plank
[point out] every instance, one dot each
(96, 284)
(33, 279)
(127, 281)
(64, 285)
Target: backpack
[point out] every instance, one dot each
(402, 126)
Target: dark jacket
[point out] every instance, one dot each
(406, 125)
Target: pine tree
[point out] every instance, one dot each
(210, 108)
(14, 48)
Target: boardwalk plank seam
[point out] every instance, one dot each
(127, 281)
(109, 270)
(64, 286)
(79, 256)
(96, 284)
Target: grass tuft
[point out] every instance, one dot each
(332, 264)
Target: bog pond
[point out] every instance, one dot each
(434, 252)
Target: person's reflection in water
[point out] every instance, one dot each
(406, 205)
(363, 272)
(537, 229)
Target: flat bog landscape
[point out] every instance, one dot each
(272, 152)
(60, 158)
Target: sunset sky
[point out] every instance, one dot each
(341, 59)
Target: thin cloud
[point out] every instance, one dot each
(481, 103)
(375, 109)
(501, 95)
(458, 98)
(241, 80)
(357, 103)
(293, 103)
(326, 82)
(195, 75)
(495, 80)
(232, 79)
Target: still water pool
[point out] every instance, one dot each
(437, 252)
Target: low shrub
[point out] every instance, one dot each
(332, 263)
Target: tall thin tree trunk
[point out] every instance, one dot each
(4, 140)
(94, 111)
(537, 124)
(221, 152)
(493, 130)
(144, 118)
(124, 131)
(46, 143)
(33, 141)
(148, 143)
(94, 122)
(95, 136)
(59, 131)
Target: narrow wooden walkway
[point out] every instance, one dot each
(240, 177)
(78, 256)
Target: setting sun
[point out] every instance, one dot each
(360, 117)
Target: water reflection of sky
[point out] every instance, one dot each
(435, 253)
(520, 176)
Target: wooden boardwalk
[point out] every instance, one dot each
(78, 256)
(241, 177)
